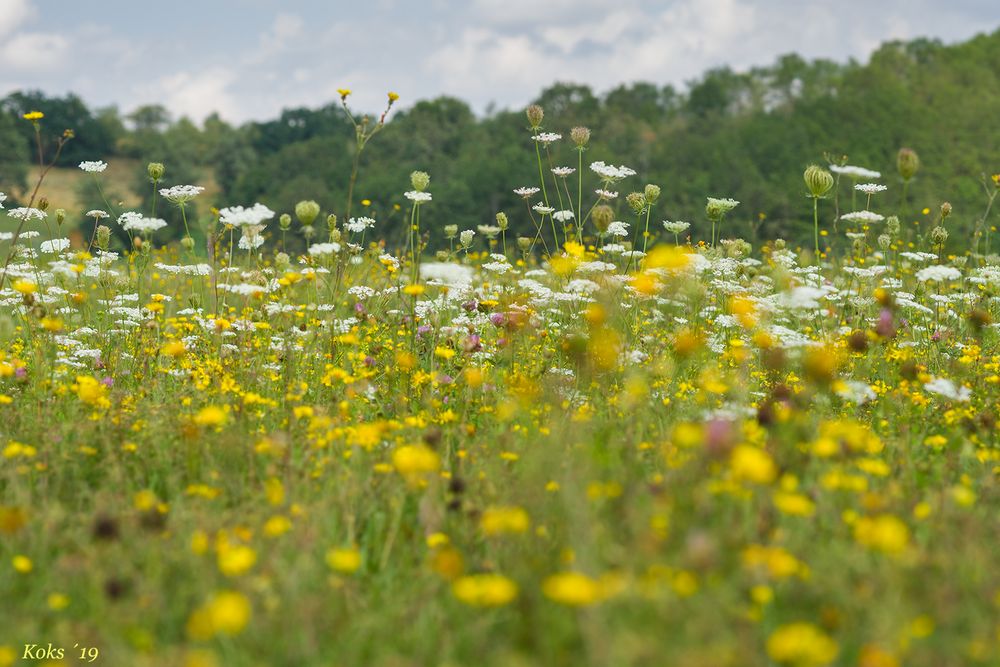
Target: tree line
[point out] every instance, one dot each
(743, 135)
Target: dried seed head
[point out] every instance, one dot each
(535, 115)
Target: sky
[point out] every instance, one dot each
(249, 59)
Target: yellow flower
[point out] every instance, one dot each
(886, 533)
(235, 560)
(573, 589)
(345, 561)
(225, 613)
(52, 324)
(277, 525)
(752, 464)
(22, 564)
(34, 115)
(91, 392)
(343, 92)
(500, 520)
(393, 97)
(174, 349)
(58, 601)
(414, 461)
(485, 590)
(210, 416)
(25, 287)
(801, 645)
(413, 290)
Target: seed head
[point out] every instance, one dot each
(602, 217)
(155, 171)
(818, 180)
(907, 162)
(306, 211)
(420, 180)
(535, 115)
(580, 136)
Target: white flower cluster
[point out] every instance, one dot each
(610, 172)
(135, 221)
(855, 172)
(238, 216)
(180, 194)
(938, 274)
(93, 167)
(358, 225)
(867, 217)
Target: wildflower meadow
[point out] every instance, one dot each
(319, 436)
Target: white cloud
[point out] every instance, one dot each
(196, 94)
(12, 14)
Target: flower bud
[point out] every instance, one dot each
(524, 243)
(441, 255)
(945, 210)
(652, 193)
(104, 237)
(334, 235)
(637, 201)
(282, 261)
(892, 225)
(43, 204)
(939, 235)
(420, 180)
(331, 222)
(450, 231)
(502, 222)
(535, 115)
(907, 162)
(187, 243)
(155, 171)
(884, 241)
(285, 222)
(818, 180)
(306, 211)
(465, 238)
(580, 136)
(60, 216)
(602, 217)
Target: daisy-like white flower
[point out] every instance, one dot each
(868, 217)
(547, 137)
(358, 225)
(94, 166)
(938, 274)
(563, 216)
(324, 249)
(526, 192)
(24, 213)
(948, 389)
(611, 173)
(542, 209)
(854, 172)
(563, 172)
(677, 227)
(870, 188)
(417, 197)
(181, 194)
